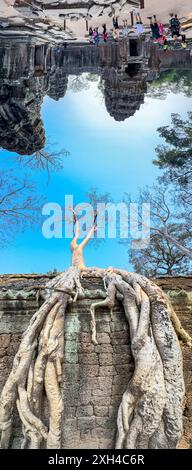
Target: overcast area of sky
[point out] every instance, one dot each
(114, 157)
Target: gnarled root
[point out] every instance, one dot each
(150, 414)
(37, 365)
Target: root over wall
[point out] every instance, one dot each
(95, 376)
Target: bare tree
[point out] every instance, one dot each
(168, 220)
(170, 230)
(19, 205)
(161, 257)
(47, 158)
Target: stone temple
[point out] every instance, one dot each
(29, 71)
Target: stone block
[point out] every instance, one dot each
(86, 423)
(113, 410)
(122, 349)
(70, 346)
(125, 370)
(121, 359)
(86, 370)
(103, 338)
(5, 340)
(107, 371)
(118, 326)
(103, 422)
(103, 327)
(69, 426)
(2, 352)
(84, 347)
(104, 433)
(70, 411)
(83, 411)
(103, 348)
(100, 401)
(119, 335)
(72, 336)
(105, 383)
(85, 397)
(116, 400)
(71, 358)
(120, 380)
(71, 395)
(85, 337)
(87, 358)
(105, 359)
(101, 411)
(71, 373)
(118, 389)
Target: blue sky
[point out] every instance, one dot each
(112, 156)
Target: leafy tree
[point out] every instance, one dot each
(78, 83)
(176, 157)
(171, 81)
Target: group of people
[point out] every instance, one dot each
(158, 31)
(94, 36)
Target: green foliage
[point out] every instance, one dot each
(179, 138)
(174, 81)
(176, 159)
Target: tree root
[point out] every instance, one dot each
(36, 365)
(150, 414)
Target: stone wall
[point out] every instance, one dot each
(94, 377)
(76, 9)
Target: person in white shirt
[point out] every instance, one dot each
(139, 24)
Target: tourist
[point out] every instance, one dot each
(90, 32)
(115, 28)
(175, 26)
(165, 44)
(183, 42)
(161, 29)
(154, 27)
(125, 30)
(115, 22)
(91, 38)
(96, 36)
(116, 34)
(139, 24)
(105, 34)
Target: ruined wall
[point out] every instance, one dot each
(95, 377)
(76, 9)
